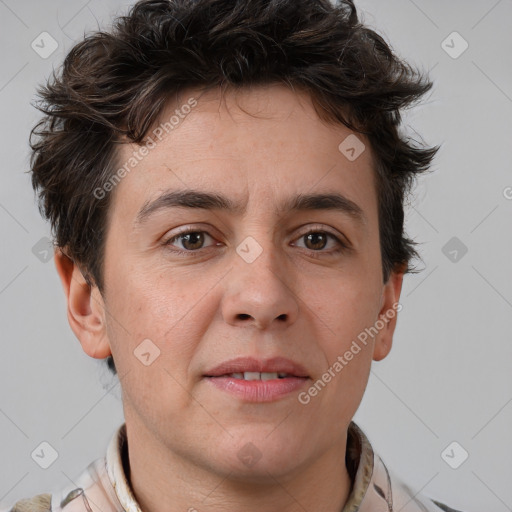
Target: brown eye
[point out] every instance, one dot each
(316, 240)
(190, 240)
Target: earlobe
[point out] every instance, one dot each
(85, 308)
(388, 315)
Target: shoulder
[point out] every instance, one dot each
(91, 488)
(377, 488)
(38, 503)
(388, 486)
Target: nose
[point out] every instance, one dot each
(260, 293)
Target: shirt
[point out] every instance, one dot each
(104, 486)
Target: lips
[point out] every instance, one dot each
(248, 367)
(253, 380)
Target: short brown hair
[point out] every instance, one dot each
(114, 84)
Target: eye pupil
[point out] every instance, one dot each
(195, 238)
(314, 237)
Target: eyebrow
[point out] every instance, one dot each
(212, 201)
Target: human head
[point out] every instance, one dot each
(276, 86)
(114, 85)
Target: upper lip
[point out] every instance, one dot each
(251, 364)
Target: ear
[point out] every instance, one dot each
(85, 308)
(388, 314)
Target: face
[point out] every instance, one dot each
(271, 277)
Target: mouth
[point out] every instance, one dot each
(253, 380)
(250, 368)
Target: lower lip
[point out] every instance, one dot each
(259, 390)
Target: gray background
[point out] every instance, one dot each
(448, 377)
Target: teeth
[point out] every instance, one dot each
(258, 375)
(252, 375)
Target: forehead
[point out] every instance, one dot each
(259, 142)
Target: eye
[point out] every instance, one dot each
(191, 240)
(316, 240)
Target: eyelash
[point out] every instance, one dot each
(342, 247)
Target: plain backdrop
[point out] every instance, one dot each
(448, 378)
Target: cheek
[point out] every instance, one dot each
(154, 334)
(151, 305)
(344, 310)
(348, 351)
(343, 307)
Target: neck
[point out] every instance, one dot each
(163, 481)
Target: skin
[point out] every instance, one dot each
(184, 434)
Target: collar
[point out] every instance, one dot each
(359, 460)
(116, 461)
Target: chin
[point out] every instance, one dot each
(257, 456)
